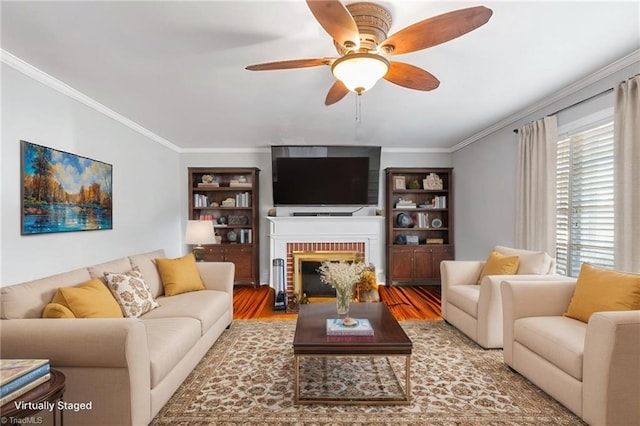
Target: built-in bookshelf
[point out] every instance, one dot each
(228, 196)
(419, 223)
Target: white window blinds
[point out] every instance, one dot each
(585, 199)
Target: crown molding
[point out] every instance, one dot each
(257, 150)
(55, 84)
(610, 69)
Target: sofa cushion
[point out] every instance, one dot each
(205, 306)
(531, 262)
(131, 292)
(56, 310)
(179, 275)
(169, 339)
(599, 289)
(499, 264)
(465, 297)
(557, 339)
(27, 300)
(146, 264)
(89, 300)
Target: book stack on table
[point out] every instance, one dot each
(19, 376)
(360, 331)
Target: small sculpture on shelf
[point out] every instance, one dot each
(432, 181)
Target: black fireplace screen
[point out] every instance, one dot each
(311, 284)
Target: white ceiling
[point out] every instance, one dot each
(177, 68)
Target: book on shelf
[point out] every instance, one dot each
(421, 220)
(11, 369)
(24, 389)
(440, 202)
(243, 199)
(246, 236)
(201, 200)
(404, 204)
(24, 379)
(335, 327)
(202, 185)
(235, 184)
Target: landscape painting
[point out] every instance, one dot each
(63, 192)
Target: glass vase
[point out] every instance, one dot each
(343, 299)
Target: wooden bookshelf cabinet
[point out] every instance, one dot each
(229, 196)
(419, 224)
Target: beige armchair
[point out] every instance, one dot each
(476, 310)
(591, 368)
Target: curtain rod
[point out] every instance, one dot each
(576, 104)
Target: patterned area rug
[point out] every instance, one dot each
(246, 379)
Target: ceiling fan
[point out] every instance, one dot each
(359, 32)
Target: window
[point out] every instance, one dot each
(584, 225)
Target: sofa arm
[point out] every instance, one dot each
(611, 370)
(459, 272)
(456, 272)
(217, 275)
(490, 317)
(520, 299)
(87, 342)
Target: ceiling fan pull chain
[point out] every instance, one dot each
(358, 109)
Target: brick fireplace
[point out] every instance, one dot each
(298, 254)
(326, 238)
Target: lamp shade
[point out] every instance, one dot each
(200, 232)
(360, 71)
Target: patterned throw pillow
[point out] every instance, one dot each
(131, 292)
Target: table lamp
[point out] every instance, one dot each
(199, 232)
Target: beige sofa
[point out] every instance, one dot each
(591, 368)
(127, 368)
(476, 310)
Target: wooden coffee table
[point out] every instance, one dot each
(389, 339)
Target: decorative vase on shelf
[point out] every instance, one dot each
(343, 299)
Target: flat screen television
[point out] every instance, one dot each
(330, 175)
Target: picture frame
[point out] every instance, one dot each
(399, 182)
(63, 192)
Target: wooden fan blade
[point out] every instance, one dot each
(436, 30)
(337, 21)
(336, 93)
(295, 63)
(410, 76)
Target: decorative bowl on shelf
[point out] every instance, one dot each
(404, 220)
(401, 239)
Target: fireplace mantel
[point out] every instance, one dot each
(369, 230)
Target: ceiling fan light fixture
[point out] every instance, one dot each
(360, 71)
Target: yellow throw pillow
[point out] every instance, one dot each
(599, 289)
(56, 310)
(179, 275)
(499, 264)
(89, 300)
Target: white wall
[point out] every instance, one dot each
(147, 187)
(262, 159)
(486, 172)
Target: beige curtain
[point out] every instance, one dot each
(536, 186)
(626, 131)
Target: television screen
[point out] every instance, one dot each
(325, 175)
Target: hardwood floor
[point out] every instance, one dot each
(415, 302)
